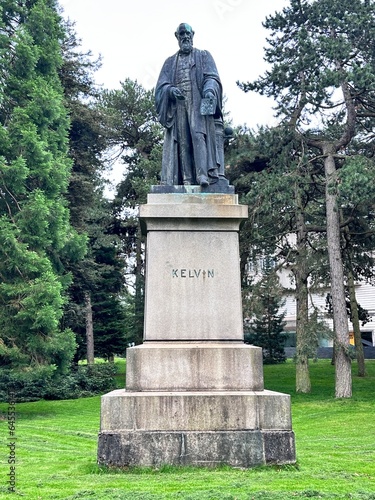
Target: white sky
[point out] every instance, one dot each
(134, 37)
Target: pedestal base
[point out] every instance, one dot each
(195, 392)
(194, 366)
(196, 448)
(238, 428)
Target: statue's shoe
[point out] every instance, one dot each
(203, 181)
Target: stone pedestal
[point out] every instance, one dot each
(194, 391)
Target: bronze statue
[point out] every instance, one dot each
(188, 98)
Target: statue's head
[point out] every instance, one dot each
(184, 35)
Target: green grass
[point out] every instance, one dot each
(120, 373)
(335, 439)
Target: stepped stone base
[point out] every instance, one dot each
(195, 411)
(238, 428)
(244, 449)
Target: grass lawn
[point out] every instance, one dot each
(335, 439)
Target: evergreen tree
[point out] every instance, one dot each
(265, 328)
(135, 136)
(275, 177)
(34, 173)
(322, 76)
(95, 310)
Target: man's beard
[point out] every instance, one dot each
(186, 46)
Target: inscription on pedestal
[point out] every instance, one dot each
(194, 277)
(193, 273)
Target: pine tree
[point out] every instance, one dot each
(274, 176)
(322, 76)
(266, 326)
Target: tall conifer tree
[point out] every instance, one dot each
(34, 173)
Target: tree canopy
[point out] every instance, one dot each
(321, 76)
(35, 230)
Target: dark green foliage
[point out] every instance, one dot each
(265, 328)
(363, 314)
(86, 135)
(27, 385)
(273, 176)
(100, 272)
(111, 306)
(83, 382)
(267, 332)
(55, 226)
(43, 383)
(34, 175)
(133, 131)
(132, 127)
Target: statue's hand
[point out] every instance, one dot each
(176, 93)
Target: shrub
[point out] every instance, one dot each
(25, 385)
(43, 383)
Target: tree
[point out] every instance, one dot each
(266, 327)
(95, 307)
(34, 172)
(322, 62)
(274, 176)
(109, 295)
(135, 136)
(357, 176)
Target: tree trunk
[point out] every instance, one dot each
(355, 322)
(343, 381)
(303, 383)
(89, 331)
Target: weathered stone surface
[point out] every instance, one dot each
(195, 411)
(193, 287)
(222, 186)
(197, 284)
(279, 447)
(274, 410)
(194, 212)
(197, 198)
(191, 224)
(238, 449)
(241, 449)
(181, 366)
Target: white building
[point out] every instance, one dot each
(365, 295)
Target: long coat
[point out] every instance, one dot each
(204, 76)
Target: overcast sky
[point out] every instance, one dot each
(134, 37)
